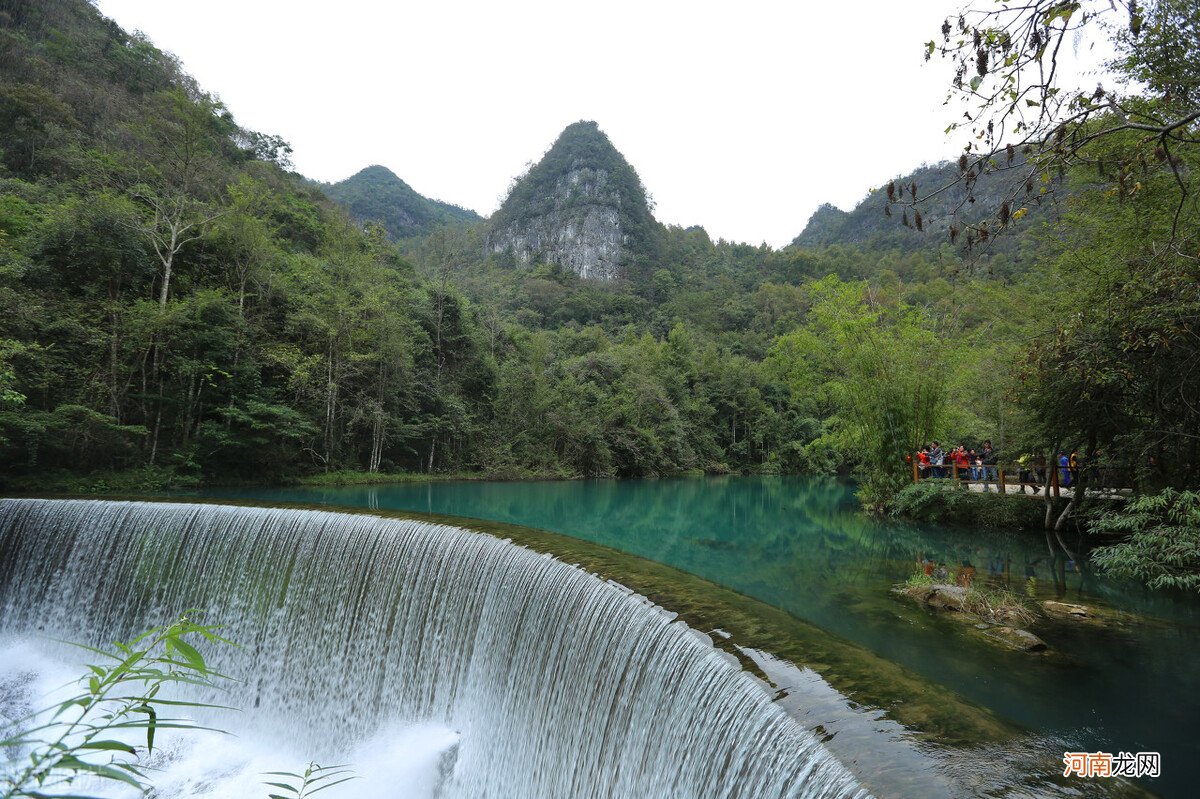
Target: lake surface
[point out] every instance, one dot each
(801, 545)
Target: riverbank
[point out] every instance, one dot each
(156, 479)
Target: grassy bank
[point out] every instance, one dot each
(342, 478)
(149, 479)
(160, 479)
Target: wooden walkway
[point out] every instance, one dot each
(1007, 481)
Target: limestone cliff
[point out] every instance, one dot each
(582, 206)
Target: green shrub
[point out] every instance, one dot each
(148, 479)
(927, 501)
(1162, 540)
(943, 501)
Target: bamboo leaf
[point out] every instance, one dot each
(109, 746)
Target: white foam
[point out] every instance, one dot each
(399, 762)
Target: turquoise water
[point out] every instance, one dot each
(801, 545)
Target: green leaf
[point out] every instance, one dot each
(330, 785)
(282, 785)
(194, 658)
(151, 724)
(109, 746)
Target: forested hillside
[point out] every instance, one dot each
(376, 194)
(176, 303)
(950, 203)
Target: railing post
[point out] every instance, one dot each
(1054, 476)
(954, 472)
(1000, 477)
(916, 472)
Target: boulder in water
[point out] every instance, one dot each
(940, 596)
(1066, 609)
(1018, 639)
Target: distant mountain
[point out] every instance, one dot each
(376, 194)
(582, 206)
(867, 224)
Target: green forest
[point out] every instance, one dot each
(177, 306)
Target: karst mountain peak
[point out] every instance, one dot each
(582, 206)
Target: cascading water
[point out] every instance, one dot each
(512, 673)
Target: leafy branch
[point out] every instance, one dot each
(1023, 121)
(87, 734)
(1161, 545)
(313, 779)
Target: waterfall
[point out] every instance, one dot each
(547, 681)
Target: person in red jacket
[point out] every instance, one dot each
(963, 462)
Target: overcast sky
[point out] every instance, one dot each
(741, 117)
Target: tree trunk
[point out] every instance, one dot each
(330, 401)
(377, 435)
(154, 437)
(166, 281)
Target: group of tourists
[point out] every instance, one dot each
(969, 465)
(966, 464)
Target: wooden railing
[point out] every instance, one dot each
(1048, 476)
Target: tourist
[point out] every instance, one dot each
(1064, 473)
(937, 458)
(1073, 465)
(1039, 471)
(990, 458)
(1025, 474)
(976, 465)
(962, 464)
(923, 461)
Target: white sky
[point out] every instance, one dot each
(739, 116)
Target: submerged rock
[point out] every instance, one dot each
(997, 626)
(1017, 639)
(1066, 609)
(940, 596)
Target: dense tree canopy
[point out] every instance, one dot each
(172, 297)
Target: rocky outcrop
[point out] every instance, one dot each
(582, 232)
(581, 207)
(1017, 639)
(940, 597)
